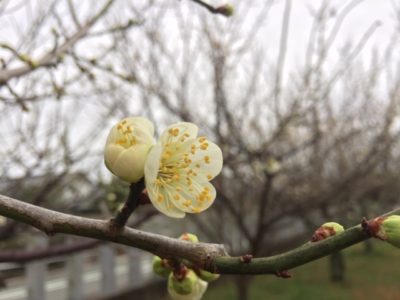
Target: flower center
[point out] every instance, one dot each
(176, 163)
(125, 135)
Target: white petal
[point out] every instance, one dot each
(185, 131)
(129, 165)
(142, 130)
(151, 171)
(111, 153)
(113, 136)
(207, 162)
(152, 164)
(189, 198)
(143, 123)
(164, 205)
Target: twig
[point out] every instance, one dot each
(225, 10)
(130, 205)
(50, 58)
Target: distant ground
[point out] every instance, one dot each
(374, 275)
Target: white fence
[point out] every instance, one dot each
(96, 274)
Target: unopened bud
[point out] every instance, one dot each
(207, 276)
(185, 285)
(161, 266)
(272, 166)
(198, 287)
(385, 228)
(326, 230)
(189, 237)
(227, 10)
(391, 227)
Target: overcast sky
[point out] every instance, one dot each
(353, 28)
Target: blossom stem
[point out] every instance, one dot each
(129, 206)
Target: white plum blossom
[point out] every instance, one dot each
(127, 147)
(178, 170)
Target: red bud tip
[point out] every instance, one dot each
(246, 258)
(373, 227)
(283, 274)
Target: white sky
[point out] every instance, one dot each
(355, 25)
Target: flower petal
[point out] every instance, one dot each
(179, 133)
(111, 154)
(208, 161)
(152, 164)
(194, 196)
(142, 130)
(159, 196)
(129, 165)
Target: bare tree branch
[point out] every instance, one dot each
(224, 10)
(51, 57)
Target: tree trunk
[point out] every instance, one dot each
(337, 266)
(243, 284)
(368, 247)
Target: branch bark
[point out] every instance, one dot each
(214, 10)
(130, 205)
(212, 257)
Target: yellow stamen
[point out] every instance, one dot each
(204, 146)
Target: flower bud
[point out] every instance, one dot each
(190, 288)
(185, 285)
(189, 237)
(326, 230)
(127, 146)
(272, 166)
(207, 276)
(227, 10)
(386, 229)
(161, 266)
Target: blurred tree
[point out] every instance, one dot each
(301, 144)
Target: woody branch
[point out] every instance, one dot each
(212, 257)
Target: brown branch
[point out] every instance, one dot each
(212, 257)
(52, 222)
(225, 10)
(129, 206)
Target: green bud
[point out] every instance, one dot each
(326, 230)
(390, 230)
(207, 276)
(227, 10)
(335, 226)
(183, 286)
(161, 267)
(198, 288)
(189, 237)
